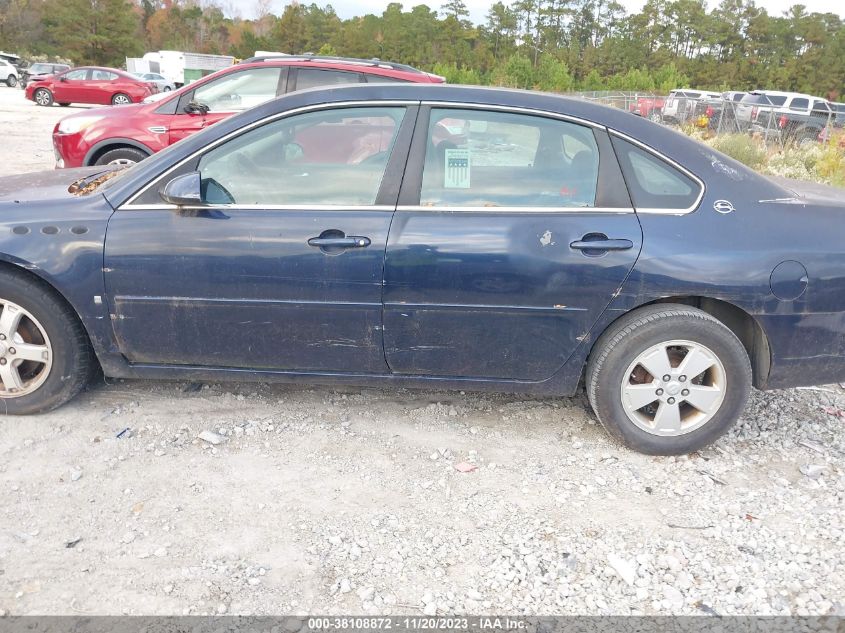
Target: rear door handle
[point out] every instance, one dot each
(350, 241)
(602, 245)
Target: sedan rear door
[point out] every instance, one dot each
(513, 233)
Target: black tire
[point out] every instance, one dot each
(121, 99)
(43, 97)
(630, 336)
(11, 81)
(72, 359)
(126, 156)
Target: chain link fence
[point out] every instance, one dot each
(801, 121)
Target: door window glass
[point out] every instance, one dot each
(103, 75)
(477, 158)
(331, 157)
(653, 183)
(77, 75)
(314, 77)
(239, 90)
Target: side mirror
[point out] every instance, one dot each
(183, 190)
(196, 107)
(62, 78)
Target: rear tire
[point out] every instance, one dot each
(11, 81)
(43, 97)
(121, 156)
(663, 336)
(121, 99)
(34, 316)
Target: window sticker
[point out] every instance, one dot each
(458, 166)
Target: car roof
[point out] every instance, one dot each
(371, 67)
(781, 93)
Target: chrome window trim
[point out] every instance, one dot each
(259, 207)
(676, 165)
(460, 105)
(522, 210)
(129, 206)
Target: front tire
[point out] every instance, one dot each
(45, 356)
(121, 156)
(668, 379)
(43, 97)
(11, 81)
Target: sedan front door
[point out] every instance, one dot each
(70, 87)
(280, 266)
(511, 237)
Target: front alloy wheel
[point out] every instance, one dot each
(45, 356)
(43, 97)
(668, 379)
(26, 356)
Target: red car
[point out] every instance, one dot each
(89, 84)
(648, 107)
(110, 136)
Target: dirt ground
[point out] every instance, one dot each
(174, 498)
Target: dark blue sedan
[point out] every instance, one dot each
(430, 236)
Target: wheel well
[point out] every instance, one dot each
(95, 155)
(743, 325)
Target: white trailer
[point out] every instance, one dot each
(178, 66)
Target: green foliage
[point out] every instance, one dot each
(553, 75)
(741, 147)
(93, 31)
(553, 45)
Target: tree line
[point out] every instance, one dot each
(557, 45)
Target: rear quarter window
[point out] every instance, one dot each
(654, 183)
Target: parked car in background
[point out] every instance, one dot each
(137, 131)
(648, 107)
(343, 236)
(682, 105)
(8, 73)
(41, 70)
(799, 118)
(90, 84)
(164, 84)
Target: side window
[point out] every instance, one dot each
(103, 75)
(652, 182)
(239, 90)
(314, 77)
(777, 100)
(77, 75)
(335, 157)
(799, 104)
(478, 158)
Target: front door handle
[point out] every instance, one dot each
(349, 241)
(602, 245)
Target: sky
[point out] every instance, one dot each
(478, 8)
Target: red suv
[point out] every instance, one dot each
(113, 136)
(89, 84)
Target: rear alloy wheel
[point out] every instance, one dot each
(668, 379)
(120, 99)
(43, 97)
(45, 357)
(11, 81)
(121, 156)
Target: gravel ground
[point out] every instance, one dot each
(174, 498)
